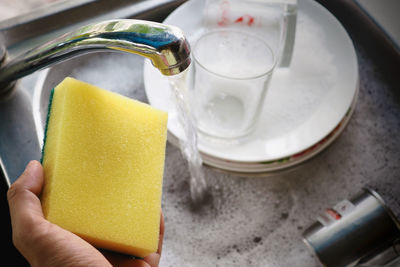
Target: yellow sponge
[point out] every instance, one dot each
(103, 160)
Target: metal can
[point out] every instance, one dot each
(361, 231)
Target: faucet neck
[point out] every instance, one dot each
(164, 45)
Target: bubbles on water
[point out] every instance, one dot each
(242, 218)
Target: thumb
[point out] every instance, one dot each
(39, 241)
(23, 201)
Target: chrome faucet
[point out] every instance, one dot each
(164, 45)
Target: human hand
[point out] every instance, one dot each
(43, 243)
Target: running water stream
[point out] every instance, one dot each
(188, 144)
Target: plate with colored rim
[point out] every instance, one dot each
(304, 104)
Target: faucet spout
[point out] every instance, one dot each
(164, 45)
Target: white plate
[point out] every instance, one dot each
(304, 104)
(278, 164)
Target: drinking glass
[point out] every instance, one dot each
(228, 82)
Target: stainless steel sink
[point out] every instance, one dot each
(248, 221)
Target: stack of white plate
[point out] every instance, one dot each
(307, 105)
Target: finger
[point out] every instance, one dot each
(23, 201)
(31, 178)
(23, 193)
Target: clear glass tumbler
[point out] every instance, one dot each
(228, 82)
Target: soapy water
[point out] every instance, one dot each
(188, 144)
(245, 224)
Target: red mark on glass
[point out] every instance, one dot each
(248, 18)
(334, 214)
(239, 20)
(251, 21)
